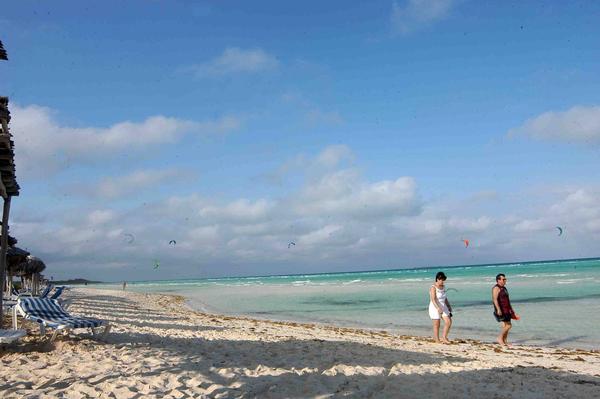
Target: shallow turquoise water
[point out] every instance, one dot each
(558, 300)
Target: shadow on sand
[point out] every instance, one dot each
(307, 368)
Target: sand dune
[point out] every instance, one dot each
(160, 349)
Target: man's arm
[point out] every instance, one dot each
(495, 292)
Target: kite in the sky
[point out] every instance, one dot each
(130, 238)
(172, 242)
(291, 243)
(466, 243)
(156, 264)
(560, 230)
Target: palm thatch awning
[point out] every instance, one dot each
(8, 179)
(30, 266)
(3, 55)
(14, 257)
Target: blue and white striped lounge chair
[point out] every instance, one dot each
(65, 303)
(46, 291)
(48, 313)
(58, 292)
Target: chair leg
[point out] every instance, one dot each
(54, 334)
(42, 329)
(14, 317)
(106, 331)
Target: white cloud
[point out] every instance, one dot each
(337, 218)
(414, 14)
(332, 155)
(235, 60)
(535, 225)
(132, 183)
(343, 193)
(240, 211)
(100, 216)
(329, 158)
(44, 146)
(577, 124)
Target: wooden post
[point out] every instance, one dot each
(3, 249)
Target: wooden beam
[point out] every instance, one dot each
(3, 249)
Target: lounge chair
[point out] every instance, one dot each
(48, 313)
(58, 292)
(65, 303)
(46, 291)
(8, 336)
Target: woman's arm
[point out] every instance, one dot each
(434, 300)
(448, 304)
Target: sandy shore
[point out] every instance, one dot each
(160, 349)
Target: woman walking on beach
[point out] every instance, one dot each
(439, 307)
(503, 311)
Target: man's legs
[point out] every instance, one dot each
(506, 326)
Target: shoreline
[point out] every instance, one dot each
(349, 327)
(159, 347)
(407, 331)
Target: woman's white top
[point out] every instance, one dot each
(440, 294)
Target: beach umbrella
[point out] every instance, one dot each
(15, 256)
(16, 251)
(33, 265)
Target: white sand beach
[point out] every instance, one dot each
(158, 348)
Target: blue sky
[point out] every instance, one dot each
(372, 135)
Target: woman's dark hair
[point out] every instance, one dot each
(440, 276)
(500, 275)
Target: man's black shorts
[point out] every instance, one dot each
(504, 317)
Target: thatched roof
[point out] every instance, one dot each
(11, 240)
(16, 251)
(8, 180)
(3, 55)
(14, 257)
(30, 265)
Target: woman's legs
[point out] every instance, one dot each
(447, 325)
(436, 329)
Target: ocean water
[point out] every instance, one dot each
(558, 301)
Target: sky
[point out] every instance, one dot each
(187, 139)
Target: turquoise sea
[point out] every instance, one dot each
(559, 301)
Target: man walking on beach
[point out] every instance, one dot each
(503, 311)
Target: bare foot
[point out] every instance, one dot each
(501, 342)
(445, 341)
